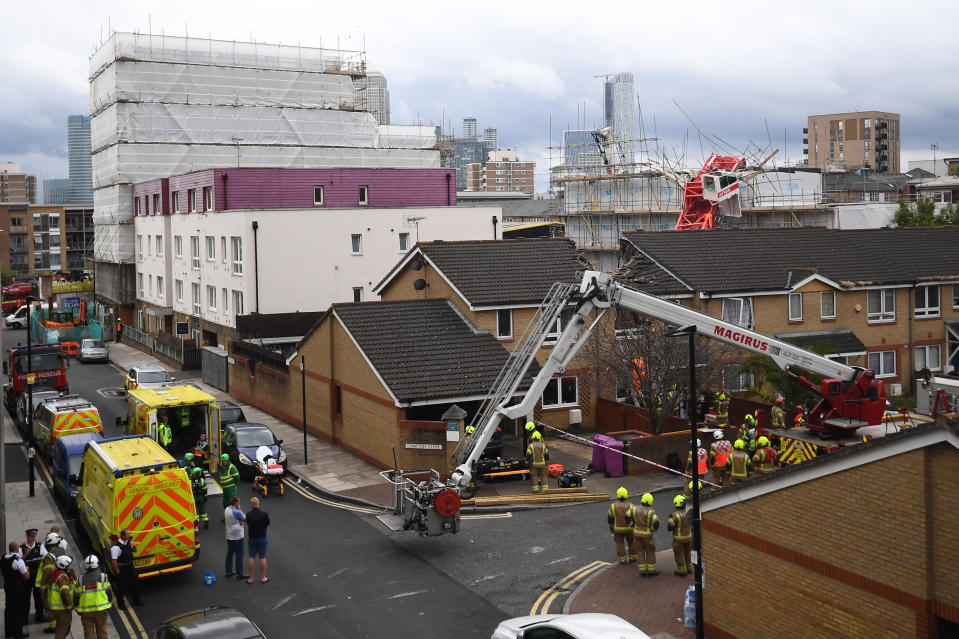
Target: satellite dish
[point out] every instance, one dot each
(416, 265)
(420, 284)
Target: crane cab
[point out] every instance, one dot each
(720, 185)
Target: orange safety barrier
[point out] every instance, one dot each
(72, 349)
(555, 469)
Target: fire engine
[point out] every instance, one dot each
(48, 368)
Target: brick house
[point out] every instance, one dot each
(886, 299)
(834, 547)
(499, 285)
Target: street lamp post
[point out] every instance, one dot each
(30, 380)
(697, 554)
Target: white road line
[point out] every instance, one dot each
(284, 600)
(407, 594)
(308, 610)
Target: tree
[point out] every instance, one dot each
(923, 213)
(6, 275)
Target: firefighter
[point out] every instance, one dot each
(528, 430)
(51, 544)
(779, 415)
(620, 520)
(722, 409)
(537, 454)
(718, 454)
(229, 477)
(739, 463)
(60, 596)
(198, 484)
(645, 523)
(92, 594)
(682, 536)
(747, 433)
(765, 458)
(799, 421)
(702, 460)
(688, 489)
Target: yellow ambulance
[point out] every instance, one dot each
(65, 415)
(188, 411)
(131, 482)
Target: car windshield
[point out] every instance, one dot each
(92, 343)
(148, 377)
(75, 462)
(228, 415)
(44, 362)
(250, 437)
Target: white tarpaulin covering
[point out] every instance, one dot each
(868, 215)
(113, 242)
(129, 81)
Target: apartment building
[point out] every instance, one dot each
(16, 186)
(853, 140)
(44, 239)
(501, 172)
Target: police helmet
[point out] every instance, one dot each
(64, 562)
(647, 499)
(679, 501)
(740, 444)
(52, 539)
(622, 493)
(92, 562)
(536, 436)
(718, 434)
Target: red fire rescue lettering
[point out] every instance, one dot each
(740, 338)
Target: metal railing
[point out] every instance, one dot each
(138, 336)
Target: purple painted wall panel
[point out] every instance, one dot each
(145, 191)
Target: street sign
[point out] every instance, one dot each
(71, 302)
(424, 446)
(183, 328)
(31, 378)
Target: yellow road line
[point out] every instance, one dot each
(334, 504)
(43, 469)
(544, 601)
(131, 631)
(136, 621)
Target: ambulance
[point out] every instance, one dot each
(65, 415)
(188, 410)
(131, 482)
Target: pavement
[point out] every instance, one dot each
(338, 474)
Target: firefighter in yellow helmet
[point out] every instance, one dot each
(722, 409)
(739, 463)
(765, 459)
(688, 489)
(620, 520)
(537, 454)
(528, 431)
(682, 536)
(645, 523)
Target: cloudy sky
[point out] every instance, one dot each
(745, 72)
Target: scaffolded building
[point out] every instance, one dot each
(164, 105)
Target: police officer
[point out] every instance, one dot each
(93, 599)
(646, 522)
(127, 583)
(32, 552)
(54, 550)
(620, 520)
(60, 593)
(682, 537)
(229, 477)
(16, 588)
(198, 484)
(537, 454)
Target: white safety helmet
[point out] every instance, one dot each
(717, 434)
(64, 562)
(699, 443)
(92, 562)
(52, 539)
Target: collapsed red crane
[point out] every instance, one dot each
(699, 209)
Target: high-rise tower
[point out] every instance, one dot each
(618, 108)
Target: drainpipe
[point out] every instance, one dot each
(256, 267)
(224, 177)
(449, 197)
(912, 358)
(494, 227)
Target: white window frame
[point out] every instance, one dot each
(197, 302)
(562, 402)
(887, 305)
(925, 350)
(150, 284)
(190, 200)
(160, 291)
(195, 252)
(356, 244)
(156, 203)
(317, 190)
(210, 248)
(824, 295)
(178, 246)
(741, 315)
(363, 195)
(178, 288)
(736, 378)
(927, 309)
(955, 295)
(176, 201)
(236, 244)
(225, 300)
(208, 198)
(211, 298)
(883, 356)
(357, 293)
(404, 239)
(506, 313)
(159, 246)
(139, 248)
(793, 299)
(223, 252)
(140, 284)
(237, 303)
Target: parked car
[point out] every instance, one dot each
(93, 350)
(146, 377)
(230, 413)
(240, 441)
(215, 622)
(65, 467)
(587, 625)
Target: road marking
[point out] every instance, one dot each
(142, 634)
(407, 594)
(112, 393)
(136, 621)
(317, 609)
(545, 600)
(488, 516)
(334, 504)
(43, 468)
(284, 600)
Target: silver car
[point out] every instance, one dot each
(93, 350)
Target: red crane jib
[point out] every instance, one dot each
(698, 212)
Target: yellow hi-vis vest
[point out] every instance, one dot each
(646, 521)
(59, 591)
(680, 527)
(91, 592)
(537, 450)
(620, 516)
(164, 434)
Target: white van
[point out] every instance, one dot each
(18, 319)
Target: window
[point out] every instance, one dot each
(196, 299)
(927, 357)
(195, 251)
(211, 297)
(224, 299)
(156, 203)
(238, 302)
(150, 283)
(795, 307)
(176, 202)
(736, 378)
(357, 293)
(557, 329)
(955, 295)
(883, 363)
(136, 206)
(504, 323)
(178, 285)
(160, 291)
(560, 391)
(159, 246)
(881, 305)
(926, 301)
(140, 283)
(739, 311)
(356, 244)
(178, 246)
(208, 198)
(210, 248)
(190, 200)
(827, 305)
(318, 195)
(404, 242)
(237, 243)
(223, 249)
(363, 195)
(140, 248)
